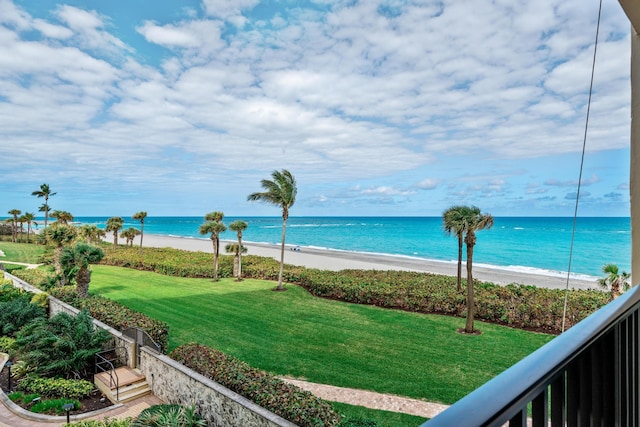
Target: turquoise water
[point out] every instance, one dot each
(516, 243)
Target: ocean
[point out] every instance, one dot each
(533, 244)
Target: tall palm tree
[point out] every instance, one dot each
(75, 261)
(281, 191)
(454, 223)
(21, 221)
(239, 226)
(45, 192)
(214, 226)
(29, 218)
(140, 216)
(475, 221)
(114, 224)
(14, 224)
(615, 280)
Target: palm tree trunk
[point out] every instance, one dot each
(141, 235)
(215, 259)
(239, 258)
(83, 278)
(459, 263)
(470, 296)
(284, 228)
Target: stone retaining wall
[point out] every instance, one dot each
(175, 383)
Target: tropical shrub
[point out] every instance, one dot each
(16, 313)
(115, 314)
(268, 391)
(7, 344)
(169, 415)
(41, 279)
(57, 387)
(63, 345)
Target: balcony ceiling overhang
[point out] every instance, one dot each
(632, 9)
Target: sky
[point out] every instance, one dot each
(377, 107)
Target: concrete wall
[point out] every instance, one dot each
(175, 383)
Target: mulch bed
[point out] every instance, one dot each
(94, 402)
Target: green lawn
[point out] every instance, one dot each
(383, 418)
(20, 252)
(293, 333)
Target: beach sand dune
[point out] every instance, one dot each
(326, 259)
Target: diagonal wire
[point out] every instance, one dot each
(584, 146)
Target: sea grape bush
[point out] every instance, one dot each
(115, 314)
(516, 305)
(290, 402)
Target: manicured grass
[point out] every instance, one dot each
(383, 418)
(21, 252)
(293, 333)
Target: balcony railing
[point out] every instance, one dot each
(587, 376)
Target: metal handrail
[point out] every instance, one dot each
(507, 395)
(111, 371)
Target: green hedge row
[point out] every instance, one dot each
(290, 402)
(57, 387)
(115, 314)
(516, 305)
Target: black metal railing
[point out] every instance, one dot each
(587, 376)
(106, 364)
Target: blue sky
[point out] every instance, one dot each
(378, 107)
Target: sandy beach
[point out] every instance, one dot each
(341, 260)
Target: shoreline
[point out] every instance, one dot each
(335, 260)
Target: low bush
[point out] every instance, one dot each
(16, 313)
(37, 277)
(57, 387)
(268, 391)
(115, 314)
(54, 406)
(7, 344)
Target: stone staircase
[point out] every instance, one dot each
(131, 384)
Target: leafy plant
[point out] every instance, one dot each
(53, 406)
(62, 345)
(169, 415)
(7, 344)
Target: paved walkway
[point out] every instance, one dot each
(370, 399)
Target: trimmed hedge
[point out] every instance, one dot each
(115, 314)
(290, 402)
(56, 387)
(515, 305)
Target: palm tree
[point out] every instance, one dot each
(214, 226)
(45, 192)
(62, 217)
(60, 235)
(453, 221)
(92, 233)
(129, 235)
(141, 216)
(614, 280)
(475, 221)
(29, 219)
(281, 191)
(114, 224)
(75, 261)
(21, 221)
(232, 248)
(239, 226)
(14, 224)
